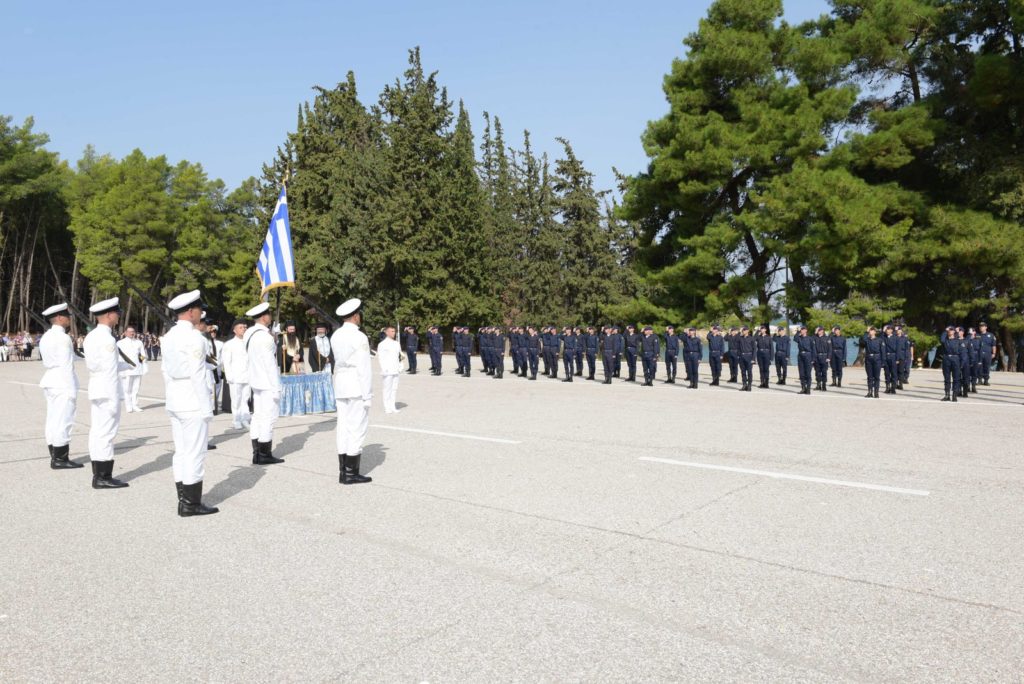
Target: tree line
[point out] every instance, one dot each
(856, 169)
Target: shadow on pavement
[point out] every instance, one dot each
(241, 479)
(161, 463)
(373, 456)
(294, 443)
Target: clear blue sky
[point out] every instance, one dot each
(219, 82)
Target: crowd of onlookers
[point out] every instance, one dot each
(19, 346)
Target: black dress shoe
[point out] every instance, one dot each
(210, 446)
(190, 501)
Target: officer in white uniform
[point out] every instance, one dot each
(389, 357)
(60, 385)
(189, 401)
(132, 347)
(218, 353)
(105, 392)
(236, 372)
(353, 390)
(265, 381)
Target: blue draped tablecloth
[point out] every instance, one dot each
(310, 393)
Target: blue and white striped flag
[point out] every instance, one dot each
(276, 267)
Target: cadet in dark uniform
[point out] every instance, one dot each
(716, 349)
(837, 355)
(412, 345)
(591, 343)
(610, 352)
(650, 349)
(804, 359)
(513, 348)
(781, 345)
(987, 344)
(692, 351)
(965, 363)
(889, 360)
(873, 352)
(732, 352)
(568, 352)
(534, 349)
(632, 343)
(974, 344)
(746, 348)
(551, 344)
(822, 349)
(580, 349)
(903, 359)
(950, 345)
(763, 347)
(436, 342)
(620, 350)
(498, 353)
(671, 354)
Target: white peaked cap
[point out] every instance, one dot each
(55, 309)
(349, 307)
(104, 306)
(258, 310)
(181, 302)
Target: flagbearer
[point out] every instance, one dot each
(265, 382)
(105, 392)
(60, 385)
(352, 390)
(189, 401)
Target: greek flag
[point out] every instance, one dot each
(276, 267)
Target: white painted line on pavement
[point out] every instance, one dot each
(786, 476)
(448, 434)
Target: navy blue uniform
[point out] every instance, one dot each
(412, 345)
(498, 354)
(987, 343)
(568, 354)
(974, 347)
(671, 356)
(746, 348)
(904, 361)
(590, 347)
(732, 354)
(550, 354)
(781, 344)
(763, 345)
(650, 348)
(950, 347)
(534, 349)
(889, 361)
(965, 366)
(632, 349)
(692, 350)
(436, 345)
(804, 361)
(513, 350)
(837, 357)
(873, 352)
(716, 350)
(610, 355)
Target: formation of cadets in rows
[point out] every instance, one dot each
(967, 355)
(189, 359)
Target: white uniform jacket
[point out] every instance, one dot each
(261, 349)
(352, 363)
(389, 357)
(135, 351)
(58, 352)
(235, 361)
(184, 370)
(104, 364)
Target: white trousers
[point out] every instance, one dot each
(266, 406)
(131, 384)
(390, 390)
(5, 353)
(60, 416)
(105, 415)
(353, 421)
(190, 432)
(240, 394)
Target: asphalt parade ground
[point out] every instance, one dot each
(532, 531)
